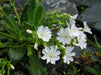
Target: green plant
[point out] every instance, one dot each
(2, 0)
(15, 40)
(29, 34)
(96, 44)
(73, 70)
(1, 11)
(95, 69)
(4, 63)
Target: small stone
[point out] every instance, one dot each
(86, 2)
(62, 5)
(19, 2)
(91, 15)
(78, 50)
(97, 26)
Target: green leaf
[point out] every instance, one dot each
(13, 24)
(3, 1)
(38, 15)
(94, 44)
(7, 9)
(2, 28)
(90, 70)
(8, 36)
(35, 66)
(12, 21)
(97, 41)
(28, 13)
(31, 9)
(16, 54)
(24, 15)
(40, 0)
(3, 38)
(2, 13)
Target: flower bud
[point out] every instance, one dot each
(29, 31)
(36, 46)
(12, 66)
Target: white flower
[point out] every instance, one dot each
(68, 54)
(73, 31)
(86, 28)
(29, 31)
(51, 55)
(63, 36)
(75, 16)
(44, 33)
(72, 19)
(82, 40)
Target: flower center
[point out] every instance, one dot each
(51, 55)
(66, 36)
(70, 55)
(74, 29)
(42, 34)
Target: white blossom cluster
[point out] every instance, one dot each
(66, 36)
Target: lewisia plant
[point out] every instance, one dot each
(67, 38)
(36, 34)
